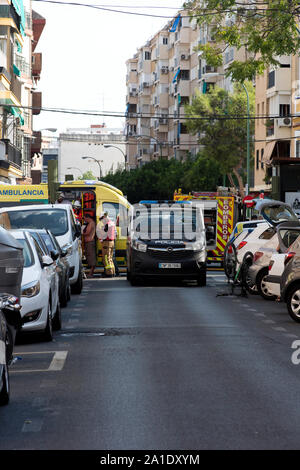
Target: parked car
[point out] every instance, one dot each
(59, 256)
(290, 285)
(260, 267)
(242, 248)
(11, 269)
(39, 295)
(60, 220)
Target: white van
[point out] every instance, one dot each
(60, 220)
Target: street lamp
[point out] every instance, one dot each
(98, 161)
(106, 146)
(215, 74)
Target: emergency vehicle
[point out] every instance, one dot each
(14, 194)
(97, 197)
(220, 216)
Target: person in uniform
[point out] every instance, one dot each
(106, 231)
(62, 199)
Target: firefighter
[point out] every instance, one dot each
(77, 210)
(106, 232)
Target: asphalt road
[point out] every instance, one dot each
(158, 367)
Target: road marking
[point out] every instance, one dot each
(58, 360)
(56, 364)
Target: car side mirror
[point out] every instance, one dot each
(46, 261)
(54, 255)
(64, 252)
(78, 230)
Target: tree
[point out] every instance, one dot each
(265, 30)
(159, 179)
(88, 175)
(220, 118)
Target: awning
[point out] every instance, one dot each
(16, 70)
(19, 7)
(15, 112)
(175, 24)
(268, 151)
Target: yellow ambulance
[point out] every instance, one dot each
(97, 197)
(16, 194)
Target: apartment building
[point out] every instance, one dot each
(16, 89)
(161, 78)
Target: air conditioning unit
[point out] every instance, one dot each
(146, 84)
(285, 122)
(172, 69)
(184, 56)
(165, 69)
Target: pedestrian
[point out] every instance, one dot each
(105, 231)
(88, 232)
(62, 199)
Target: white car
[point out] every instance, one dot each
(39, 290)
(60, 220)
(245, 244)
(289, 245)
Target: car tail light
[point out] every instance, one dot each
(288, 257)
(241, 245)
(271, 264)
(257, 255)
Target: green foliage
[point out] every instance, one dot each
(88, 175)
(265, 30)
(159, 179)
(223, 134)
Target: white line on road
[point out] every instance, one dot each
(58, 360)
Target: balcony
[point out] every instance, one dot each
(36, 143)
(13, 154)
(36, 102)
(36, 65)
(8, 11)
(16, 87)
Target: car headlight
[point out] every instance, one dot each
(139, 246)
(31, 289)
(195, 246)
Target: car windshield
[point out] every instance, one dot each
(27, 253)
(166, 224)
(52, 219)
(279, 213)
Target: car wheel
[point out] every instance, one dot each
(230, 261)
(48, 332)
(77, 287)
(5, 391)
(293, 303)
(262, 287)
(133, 280)
(201, 280)
(56, 323)
(64, 297)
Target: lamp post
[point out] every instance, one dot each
(98, 161)
(213, 74)
(106, 146)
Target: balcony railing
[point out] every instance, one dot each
(14, 154)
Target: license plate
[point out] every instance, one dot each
(169, 265)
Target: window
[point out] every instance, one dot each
(267, 234)
(38, 251)
(297, 148)
(261, 158)
(165, 41)
(27, 253)
(257, 159)
(184, 74)
(271, 79)
(147, 55)
(284, 110)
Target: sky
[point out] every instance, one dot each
(84, 57)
